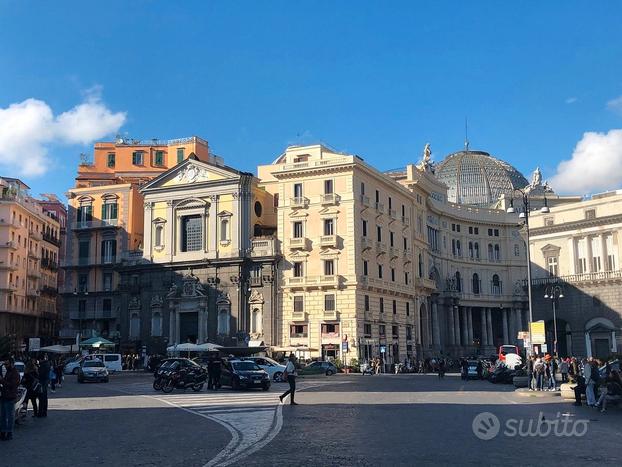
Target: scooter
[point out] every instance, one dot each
(183, 380)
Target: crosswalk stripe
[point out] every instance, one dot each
(223, 409)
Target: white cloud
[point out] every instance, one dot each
(571, 100)
(615, 105)
(29, 128)
(596, 165)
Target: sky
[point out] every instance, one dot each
(540, 83)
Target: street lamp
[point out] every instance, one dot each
(554, 292)
(524, 196)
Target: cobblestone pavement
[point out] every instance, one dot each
(342, 420)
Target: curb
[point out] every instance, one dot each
(528, 393)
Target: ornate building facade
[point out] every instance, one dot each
(207, 270)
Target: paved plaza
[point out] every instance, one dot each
(341, 420)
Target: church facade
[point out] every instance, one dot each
(207, 269)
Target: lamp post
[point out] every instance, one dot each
(554, 292)
(524, 197)
(75, 294)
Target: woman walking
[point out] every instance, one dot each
(32, 385)
(291, 371)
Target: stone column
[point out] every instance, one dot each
(171, 326)
(177, 327)
(489, 326)
(470, 325)
(436, 334)
(450, 322)
(504, 317)
(484, 339)
(465, 333)
(457, 325)
(200, 326)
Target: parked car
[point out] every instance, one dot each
(319, 368)
(240, 374)
(73, 366)
(273, 368)
(112, 361)
(93, 370)
(20, 367)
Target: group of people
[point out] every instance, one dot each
(39, 377)
(598, 390)
(542, 372)
(132, 362)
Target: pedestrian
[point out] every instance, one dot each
(44, 380)
(464, 369)
(59, 372)
(291, 372)
(590, 382)
(52, 376)
(441, 368)
(210, 372)
(563, 369)
(32, 385)
(8, 396)
(539, 370)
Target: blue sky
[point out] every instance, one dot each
(378, 79)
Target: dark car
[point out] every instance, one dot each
(93, 370)
(244, 374)
(319, 368)
(176, 364)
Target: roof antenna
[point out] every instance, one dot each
(466, 134)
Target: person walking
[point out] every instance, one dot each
(539, 371)
(44, 380)
(291, 371)
(32, 385)
(563, 369)
(590, 383)
(8, 396)
(441, 368)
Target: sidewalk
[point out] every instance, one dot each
(528, 393)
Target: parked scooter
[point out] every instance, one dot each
(184, 379)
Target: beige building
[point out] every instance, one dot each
(354, 268)
(29, 252)
(576, 247)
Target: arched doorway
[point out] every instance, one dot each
(600, 338)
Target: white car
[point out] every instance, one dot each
(21, 368)
(274, 369)
(72, 367)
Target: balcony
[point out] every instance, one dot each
(51, 239)
(298, 335)
(299, 202)
(309, 282)
(329, 199)
(8, 287)
(380, 208)
(9, 266)
(33, 293)
(393, 252)
(263, 247)
(330, 314)
(366, 243)
(601, 276)
(33, 274)
(381, 247)
(35, 235)
(255, 281)
(298, 243)
(328, 241)
(393, 214)
(33, 255)
(47, 263)
(10, 245)
(365, 201)
(96, 224)
(405, 221)
(47, 290)
(299, 316)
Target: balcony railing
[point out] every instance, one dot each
(312, 281)
(10, 266)
(263, 247)
(380, 208)
(366, 243)
(255, 281)
(8, 287)
(365, 201)
(47, 263)
(329, 198)
(328, 240)
(33, 293)
(51, 239)
(299, 316)
(298, 335)
(331, 314)
(298, 243)
(575, 278)
(10, 244)
(96, 224)
(35, 235)
(405, 221)
(299, 202)
(330, 335)
(393, 213)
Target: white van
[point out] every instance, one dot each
(111, 360)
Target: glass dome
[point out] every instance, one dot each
(477, 178)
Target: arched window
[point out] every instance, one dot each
(256, 321)
(476, 245)
(458, 282)
(156, 324)
(490, 253)
(224, 230)
(496, 285)
(159, 236)
(475, 284)
(420, 265)
(135, 326)
(497, 253)
(471, 253)
(458, 248)
(223, 321)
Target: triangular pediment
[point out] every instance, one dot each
(300, 214)
(192, 172)
(548, 248)
(299, 255)
(329, 252)
(328, 211)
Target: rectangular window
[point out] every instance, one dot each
(297, 190)
(366, 301)
(380, 271)
(496, 232)
(406, 278)
(83, 283)
(367, 329)
(298, 330)
(108, 251)
(107, 281)
(329, 267)
(392, 274)
(137, 158)
(106, 305)
(110, 162)
(377, 196)
(365, 268)
(83, 251)
(405, 244)
(394, 331)
(158, 158)
(110, 211)
(364, 228)
(590, 214)
(298, 269)
(381, 305)
(180, 155)
(394, 304)
(490, 232)
(392, 239)
(192, 233)
(328, 187)
(85, 213)
(403, 211)
(362, 188)
(407, 308)
(299, 304)
(329, 302)
(470, 230)
(328, 227)
(379, 233)
(381, 330)
(476, 230)
(224, 230)
(298, 229)
(82, 309)
(390, 202)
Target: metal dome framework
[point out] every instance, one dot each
(477, 178)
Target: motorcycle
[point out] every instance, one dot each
(183, 379)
